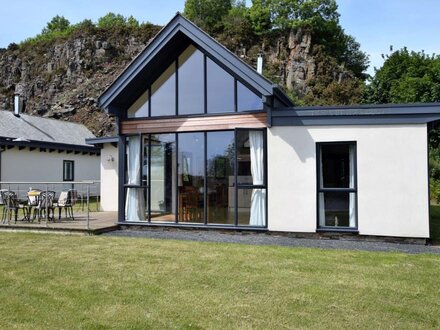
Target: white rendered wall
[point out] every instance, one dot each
(35, 166)
(392, 178)
(109, 178)
(24, 165)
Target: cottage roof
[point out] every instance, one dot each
(27, 128)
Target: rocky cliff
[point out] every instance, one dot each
(62, 79)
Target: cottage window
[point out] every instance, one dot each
(337, 185)
(68, 170)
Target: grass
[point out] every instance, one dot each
(54, 281)
(435, 222)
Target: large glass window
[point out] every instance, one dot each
(247, 100)
(251, 192)
(191, 82)
(203, 86)
(140, 107)
(191, 174)
(135, 192)
(220, 177)
(163, 93)
(220, 89)
(163, 177)
(337, 185)
(213, 178)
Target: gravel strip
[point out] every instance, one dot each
(273, 239)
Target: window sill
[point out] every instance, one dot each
(337, 230)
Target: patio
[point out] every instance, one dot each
(98, 222)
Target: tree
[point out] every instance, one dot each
(287, 14)
(406, 77)
(207, 14)
(57, 24)
(111, 20)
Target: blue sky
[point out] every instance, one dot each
(376, 24)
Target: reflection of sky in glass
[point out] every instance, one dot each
(220, 86)
(218, 143)
(191, 147)
(191, 77)
(163, 93)
(140, 107)
(246, 99)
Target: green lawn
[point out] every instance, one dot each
(435, 222)
(55, 281)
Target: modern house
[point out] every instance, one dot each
(206, 141)
(35, 149)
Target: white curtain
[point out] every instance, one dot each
(352, 211)
(258, 199)
(321, 195)
(135, 204)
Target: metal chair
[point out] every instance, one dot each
(67, 200)
(45, 202)
(12, 205)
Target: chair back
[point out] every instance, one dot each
(33, 197)
(63, 200)
(1, 196)
(46, 199)
(73, 196)
(10, 199)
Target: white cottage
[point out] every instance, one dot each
(35, 149)
(206, 141)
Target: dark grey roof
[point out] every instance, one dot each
(168, 42)
(32, 128)
(371, 114)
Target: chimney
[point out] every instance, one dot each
(18, 104)
(260, 64)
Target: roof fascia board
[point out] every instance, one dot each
(51, 145)
(354, 120)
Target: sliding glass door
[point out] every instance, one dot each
(202, 178)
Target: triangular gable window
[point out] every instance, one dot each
(203, 86)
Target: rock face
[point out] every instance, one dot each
(63, 79)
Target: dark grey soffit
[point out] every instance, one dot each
(356, 115)
(6, 141)
(99, 142)
(180, 26)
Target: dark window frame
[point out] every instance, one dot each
(205, 112)
(72, 162)
(346, 190)
(205, 220)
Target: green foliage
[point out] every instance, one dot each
(406, 77)
(112, 20)
(57, 24)
(288, 14)
(207, 14)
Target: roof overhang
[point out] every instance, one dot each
(99, 142)
(11, 142)
(160, 52)
(376, 114)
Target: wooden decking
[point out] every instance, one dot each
(99, 222)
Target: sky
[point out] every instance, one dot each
(376, 24)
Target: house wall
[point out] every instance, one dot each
(109, 178)
(35, 166)
(391, 170)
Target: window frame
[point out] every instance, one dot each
(205, 112)
(65, 162)
(205, 223)
(344, 190)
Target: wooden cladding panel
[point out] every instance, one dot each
(211, 123)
